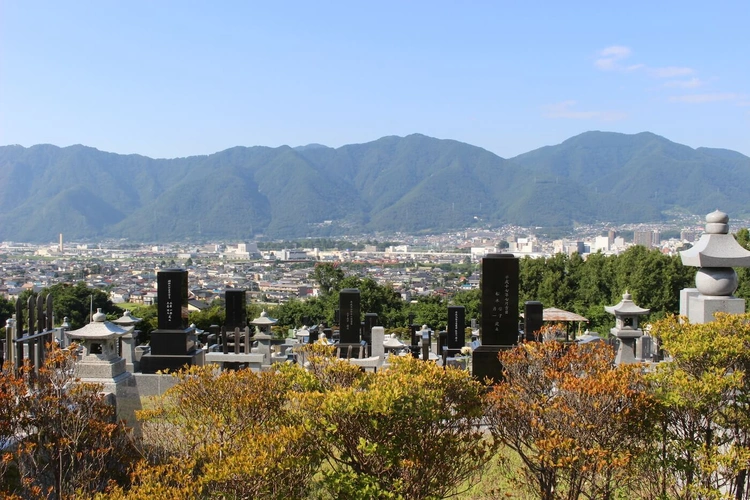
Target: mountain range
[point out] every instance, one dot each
(409, 184)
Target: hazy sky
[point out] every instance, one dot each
(169, 79)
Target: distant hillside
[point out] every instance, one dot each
(410, 184)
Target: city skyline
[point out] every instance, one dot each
(175, 79)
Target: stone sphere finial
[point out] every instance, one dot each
(99, 316)
(717, 222)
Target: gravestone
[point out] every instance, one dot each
(173, 343)
(236, 310)
(350, 323)
(499, 284)
(456, 327)
(533, 314)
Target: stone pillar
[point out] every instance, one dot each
(378, 337)
(129, 342)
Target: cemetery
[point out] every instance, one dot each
(348, 411)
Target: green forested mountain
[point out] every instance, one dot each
(414, 183)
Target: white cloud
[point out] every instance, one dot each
(609, 57)
(565, 109)
(612, 58)
(703, 98)
(671, 72)
(685, 84)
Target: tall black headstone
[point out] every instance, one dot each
(349, 326)
(236, 310)
(371, 320)
(173, 343)
(456, 327)
(172, 299)
(533, 319)
(499, 284)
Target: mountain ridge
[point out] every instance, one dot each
(410, 184)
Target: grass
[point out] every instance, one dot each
(496, 481)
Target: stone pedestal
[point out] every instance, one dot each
(701, 308)
(171, 350)
(685, 295)
(626, 351)
(151, 363)
(172, 342)
(264, 346)
(486, 364)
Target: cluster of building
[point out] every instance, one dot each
(416, 266)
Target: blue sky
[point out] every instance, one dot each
(171, 79)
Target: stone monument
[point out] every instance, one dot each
(236, 311)
(626, 328)
(456, 329)
(173, 343)
(263, 336)
(533, 319)
(499, 284)
(349, 324)
(100, 363)
(715, 254)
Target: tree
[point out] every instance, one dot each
(575, 422)
(76, 302)
(204, 318)
(705, 391)
(231, 434)
(412, 431)
(7, 309)
(328, 276)
(59, 434)
(429, 310)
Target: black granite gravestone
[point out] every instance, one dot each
(533, 314)
(371, 320)
(349, 325)
(499, 284)
(173, 343)
(172, 299)
(456, 327)
(236, 311)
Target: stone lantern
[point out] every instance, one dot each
(626, 327)
(715, 255)
(100, 362)
(263, 335)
